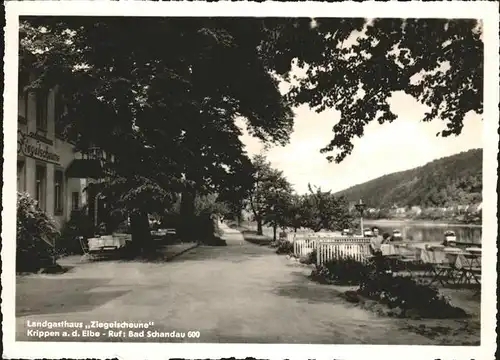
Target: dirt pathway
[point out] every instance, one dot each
(236, 293)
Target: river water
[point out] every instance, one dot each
(427, 231)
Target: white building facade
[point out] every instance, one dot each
(43, 157)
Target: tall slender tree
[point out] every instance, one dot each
(268, 198)
(323, 210)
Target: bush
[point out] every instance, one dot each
(313, 257)
(79, 224)
(341, 272)
(35, 232)
(309, 258)
(284, 247)
(404, 293)
(376, 282)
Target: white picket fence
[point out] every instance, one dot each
(356, 248)
(302, 247)
(342, 247)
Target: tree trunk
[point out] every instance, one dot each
(259, 226)
(141, 236)
(239, 215)
(275, 227)
(187, 221)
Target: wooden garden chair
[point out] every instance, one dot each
(85, 248)
(471, 267)
(446, 272)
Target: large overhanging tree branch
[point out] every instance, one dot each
(437, 61)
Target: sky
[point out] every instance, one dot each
(401, 145)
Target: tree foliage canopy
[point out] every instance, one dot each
(355, 65)
(169, 105)
(323, 210)
(273, 202)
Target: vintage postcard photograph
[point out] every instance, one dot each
(206, 180)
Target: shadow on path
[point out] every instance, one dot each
(57, 295)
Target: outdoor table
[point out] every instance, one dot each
(474, 250)
(463, 264)
(126, 237)
(432, 256)
(401, 257)
(397, 249)
(443, 265)
(469, 263)
(106, 242)
(434, 247)
(432, 259)
(388, 249)
(406, 250)
(159, 233)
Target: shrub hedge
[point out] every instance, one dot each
(404, 293)
(376, 282)
(284, 247)
(341, 272)
(35, 232)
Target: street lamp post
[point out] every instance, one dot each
(361, 208)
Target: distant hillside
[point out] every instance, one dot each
(450, 181)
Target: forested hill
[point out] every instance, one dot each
(449, 181)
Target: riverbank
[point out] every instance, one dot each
(423, 223)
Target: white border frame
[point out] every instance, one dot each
(488, 11)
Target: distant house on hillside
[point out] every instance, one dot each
(475, 208)
(416, 210)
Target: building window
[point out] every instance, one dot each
(20, 176)
(75, 200)
(40, 186)
(41, 110)
(58, 192)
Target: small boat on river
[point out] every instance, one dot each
(397, 236)
(450, 240)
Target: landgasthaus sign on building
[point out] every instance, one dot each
(37, 147)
